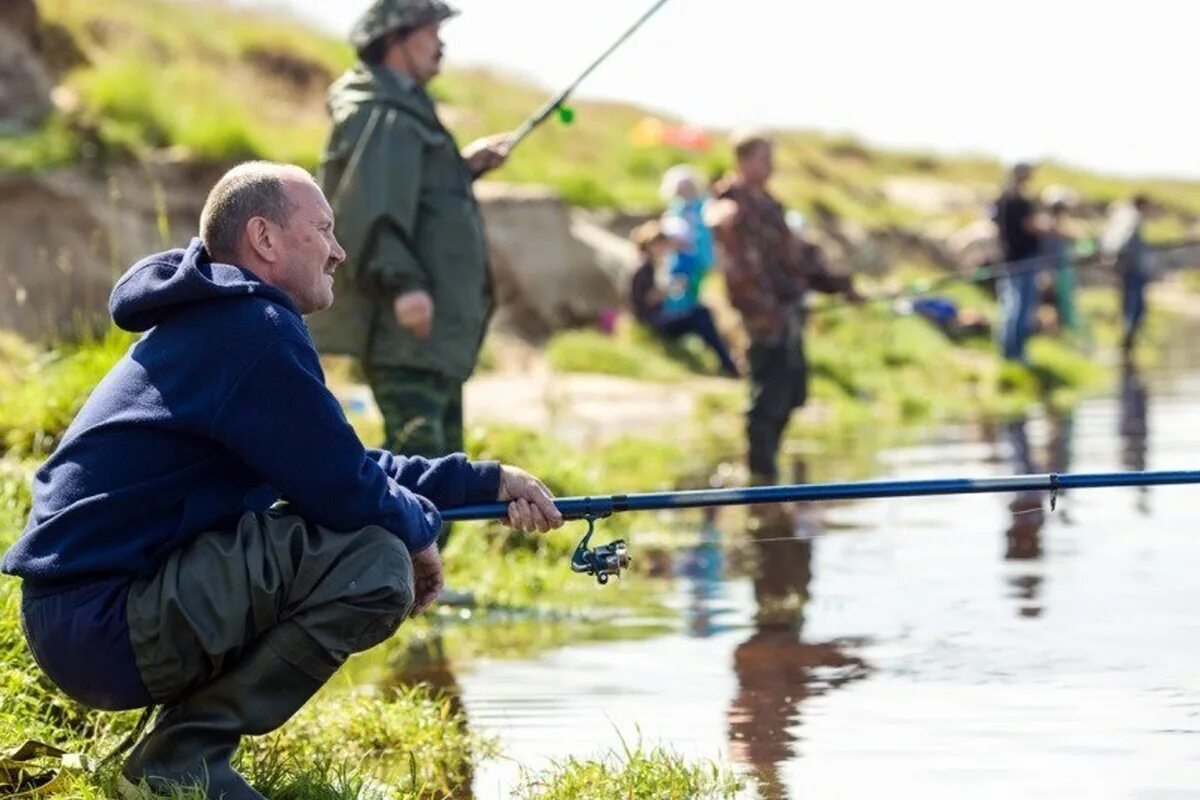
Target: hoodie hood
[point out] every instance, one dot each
(158, 286)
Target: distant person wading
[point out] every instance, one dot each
(1016, 225)
(1124, 238)
(768, 270)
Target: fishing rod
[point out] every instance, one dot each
(557, 103)
(1006, 269)
(611, 559)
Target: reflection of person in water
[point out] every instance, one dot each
(1133, 427)
(701, 568)
(1060, 456)
(775, 667)
(1023, 538)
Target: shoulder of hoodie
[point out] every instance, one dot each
(254, 320)
(256, 330)
(268, 321)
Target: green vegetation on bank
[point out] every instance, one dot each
(633, 772)
(44, 390)
(138, 81)
(872, 367)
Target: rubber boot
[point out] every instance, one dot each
(195, 737)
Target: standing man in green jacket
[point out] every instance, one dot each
(415, 293)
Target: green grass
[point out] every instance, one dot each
(46, 392)
(409, 739)
(349, 742)
(57, 143)
(869, 366)
(250, 86)
(633, 772)
(593, 351)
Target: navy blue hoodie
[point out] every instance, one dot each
(220, 408)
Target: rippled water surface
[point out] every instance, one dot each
(976, 646)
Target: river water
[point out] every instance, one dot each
(974, 646)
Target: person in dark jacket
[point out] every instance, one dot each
(1019, 233)
(210, 535)
(1124, 238)
(416, 287)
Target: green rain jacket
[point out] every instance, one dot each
(407, 218)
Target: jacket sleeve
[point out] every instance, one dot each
(373, 180)
(282, 421)
(816, 271)
(447, 482)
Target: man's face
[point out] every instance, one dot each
(758, 165)
(309, 251)
(424, 49)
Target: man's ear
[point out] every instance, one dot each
(261, 240)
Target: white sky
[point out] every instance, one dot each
(1107, 85)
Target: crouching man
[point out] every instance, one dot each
(159, 564)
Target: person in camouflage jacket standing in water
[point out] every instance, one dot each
(767, 271)
(415, 293)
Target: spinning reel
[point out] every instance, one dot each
(603, 561)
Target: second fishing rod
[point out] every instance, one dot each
(1007, 269)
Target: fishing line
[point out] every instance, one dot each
(557, 104)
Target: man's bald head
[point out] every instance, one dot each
(273, 220)
(253, 189)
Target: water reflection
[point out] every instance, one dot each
(1133, 428)
(702, 568)
(776, 669)
(425, 663)
(956, 674)
(1023, 537)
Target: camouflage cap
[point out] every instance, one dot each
(387, 16)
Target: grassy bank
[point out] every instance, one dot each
(632, 772)
(873, 367)
(139, 81)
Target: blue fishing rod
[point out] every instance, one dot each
(609, 560)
